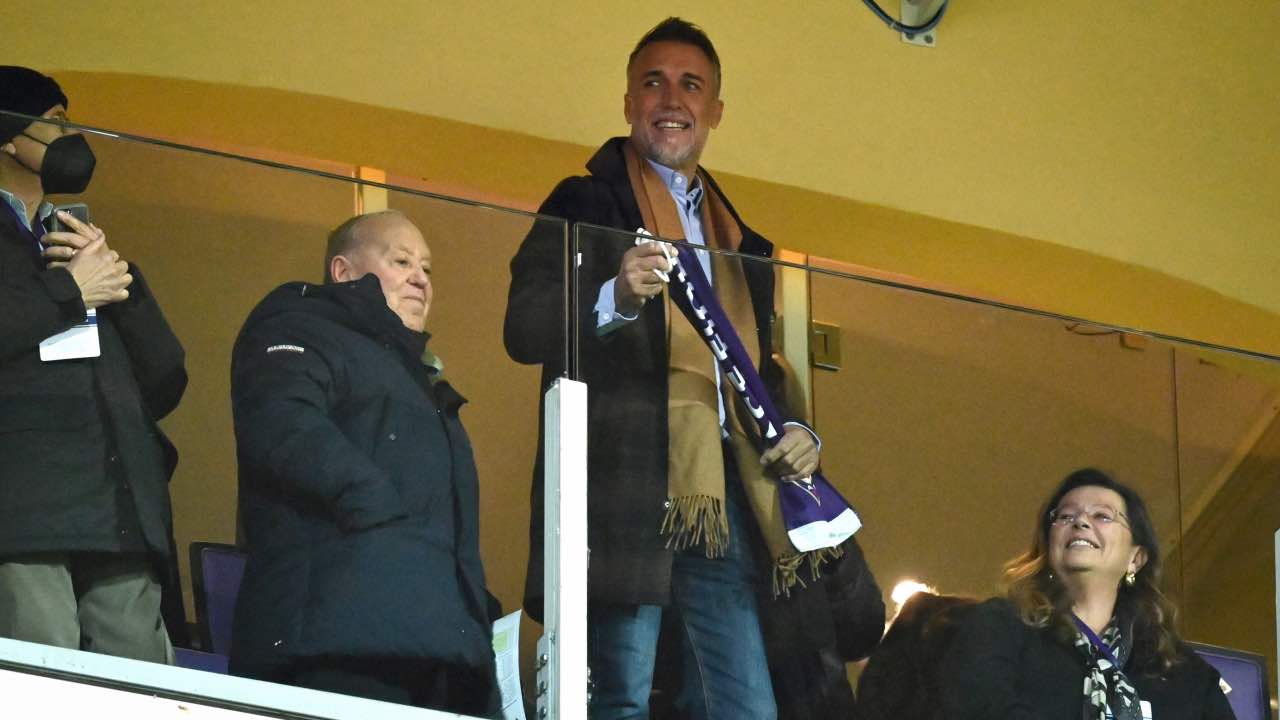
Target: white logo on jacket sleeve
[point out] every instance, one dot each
(286, 348)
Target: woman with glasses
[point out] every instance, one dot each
(1083, 630)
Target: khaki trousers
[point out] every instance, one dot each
(101, 602)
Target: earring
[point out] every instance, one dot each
(1130, 578)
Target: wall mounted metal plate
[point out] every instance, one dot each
(824, 345)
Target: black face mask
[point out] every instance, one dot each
(68, 164)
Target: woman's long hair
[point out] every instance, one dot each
(1042, 599)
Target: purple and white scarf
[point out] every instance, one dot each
(815, 514)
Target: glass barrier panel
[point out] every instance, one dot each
(1228, 468)
(675, 475)
(954, 421)
(955, 418)
(471, 251)
(214, 233)
(954, 409)
(948, 421)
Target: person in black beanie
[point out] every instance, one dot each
(88, 364)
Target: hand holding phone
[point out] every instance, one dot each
(67, 230)
(81, 247)
(102, 276)
(54, 223)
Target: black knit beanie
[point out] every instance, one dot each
(23, 90)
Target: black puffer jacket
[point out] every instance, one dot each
(358, 491)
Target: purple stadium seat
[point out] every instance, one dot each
(197, 660)
(216, 572)
(1246, 673)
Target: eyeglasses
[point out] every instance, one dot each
(1095, 514)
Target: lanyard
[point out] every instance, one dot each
(1097, 642)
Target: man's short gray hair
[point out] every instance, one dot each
(347, 237)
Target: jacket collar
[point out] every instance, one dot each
(610, 165)
(358, 305)
(608, 162)
(369, 314)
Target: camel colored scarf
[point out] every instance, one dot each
(695, 465)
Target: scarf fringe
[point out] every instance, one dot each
(786, 570)
(697, 519)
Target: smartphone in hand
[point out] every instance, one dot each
(81, 340)
(79, 211)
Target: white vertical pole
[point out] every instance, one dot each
(1277, 559)
(562, 650)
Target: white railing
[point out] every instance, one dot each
(51, 682)
(43, 681)
(562, 651)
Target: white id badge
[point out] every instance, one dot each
(77, 342)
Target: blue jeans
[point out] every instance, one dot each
(725, 671)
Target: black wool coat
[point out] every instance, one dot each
(626, 375)
(998, 668)
(83, 465)
(900, 681)
(358, 492)
(810, 634)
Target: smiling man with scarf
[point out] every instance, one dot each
(679, 487)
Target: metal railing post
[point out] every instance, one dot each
(562, 650)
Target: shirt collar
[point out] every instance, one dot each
(676, 185)
(43, 210)
(19, 207)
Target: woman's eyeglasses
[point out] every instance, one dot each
(1095, 515)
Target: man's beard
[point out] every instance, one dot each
(671, 157)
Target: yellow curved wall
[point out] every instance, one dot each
(1134, 133)
(1137, 132)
